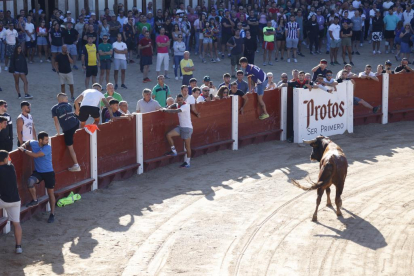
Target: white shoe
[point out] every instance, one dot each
(75, 168)
(181, 77)
(373, 52)
(386, 51)
(378, 52)
(218, 59)
(41, 61)
(176, 78)
(361, 45)
(19, 250)
(6, 68)
(288, 60)
(295, 60)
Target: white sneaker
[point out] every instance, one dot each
(176, 78)
(288, 60)
(295, 60)
(361, 44)
(181, 77)
(74, 168)
(41, 61)
(218, 59)
(6, 68)
(386, 51)
(378, 52)
(19, 250)
(373, 52)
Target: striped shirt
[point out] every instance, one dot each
(292, 30)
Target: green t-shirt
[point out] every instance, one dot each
(104, 48)
(141, 25)
(116, 96)
(268, 38)
(161, 94)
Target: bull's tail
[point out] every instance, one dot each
(314, 186)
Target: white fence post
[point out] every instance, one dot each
(235, 121)
(6, 228)
(283, 113)
(296, 116)
(94, 159)
(140, 144)
(350, 111)
(385, 92)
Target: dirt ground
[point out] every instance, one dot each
(236, 213)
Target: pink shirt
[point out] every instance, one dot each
(162, 39)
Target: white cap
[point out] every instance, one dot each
(68, 12)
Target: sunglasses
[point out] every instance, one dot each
(225, 92)
(5, 105)
(329, 75)
(205, 90)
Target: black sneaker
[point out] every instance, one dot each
(337, 63)
(171, 153)
(357, 53)
(116, 86)
(375, 109)
(302, 55)
(345, 63)
(51, 218)
(352, 63)
(327, 52)
(54, 70)
(167, 77)
(19, 96)
(28, 96)
(332, 63)
(347, 53)
(32, 203)
(184, 165)
(124, 86)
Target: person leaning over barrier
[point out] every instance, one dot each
(258, 76)
(90, 99)
(123, 108)
(147, 104)
(64, 118)
(283, 81)
(188, 99)
(367, 74)
(235, 91)
(403, 68)
(41, 151)
(185, 129)
(114, 110)
(9, 194)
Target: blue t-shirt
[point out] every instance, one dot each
(391, 22)
(65, 115)
(258, 76)
(42, 164)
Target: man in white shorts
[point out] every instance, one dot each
(120, 62)
(185, 129)
(90, 100)
(9, 197)
(163, 44)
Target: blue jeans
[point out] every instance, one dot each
(197, 41)
(177, 60)
(261, 87)
(187, 42)
(2, 49)
(328, 42)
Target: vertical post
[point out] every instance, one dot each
(37, 15)
(6, 228)
(140, 143)
(235, 121)
(350, 105)
(66, 6)
(47, 11)
(77, 8)
(297, 131)
(385, 93)
(97, 9)
(283, 113)
(94, 159)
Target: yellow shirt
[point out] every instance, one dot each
(186, 63)
(268, 38)
(91, 51)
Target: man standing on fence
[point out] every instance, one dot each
(9, 197)
(259, 78)
(185, 129)
(63, 115)
(41, 151)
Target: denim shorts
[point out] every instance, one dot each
(72, 49)
(56, 49)
(41, 40)
(261, 87)
(356, 100)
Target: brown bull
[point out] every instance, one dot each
(333, 169)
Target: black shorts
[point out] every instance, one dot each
(105, 64)
(86, 111)
(146, 60)
(356, 35)
(48, 178)
(130, 44)
(91, 71)
(30, 44)
(6, 145)
(225, 38)
(68, 135)
(389, 34)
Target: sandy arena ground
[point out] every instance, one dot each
(232, 213)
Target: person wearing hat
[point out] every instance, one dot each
(90, 100)
(320, 69)
(187, 68)
(69, 18)
(208, 83)
(387, 68)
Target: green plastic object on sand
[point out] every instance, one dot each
(70, 199)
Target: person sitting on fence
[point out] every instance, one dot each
(90, 99)
(171, 101)
(226, 79)
(41, 152)
(259, 78)
(367, 74)
(9, 194)
(357, 100)
(147, 104)
(283, 81)
(62, 115)
(403, 68)
(223, 93)
(114, 110)
(271, 85)
(185, 129)
(123, 108)
(235, 91)
(110, 91)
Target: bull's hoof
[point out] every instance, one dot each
(314, 218)
(339, 214)
(328, 204)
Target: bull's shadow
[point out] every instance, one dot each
(359, 231)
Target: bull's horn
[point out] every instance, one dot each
(309, 141)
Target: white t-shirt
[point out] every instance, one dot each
(185, 116)
(200, 99)
(408, 16)
(213, 91)
(11, 36)
(92, 97)
(363, 74)
(387, 5)
(190, 99)
(30, 28)
(119, 46)
(356, 4)
(335, 30)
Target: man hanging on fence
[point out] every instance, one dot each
(259, 78)
(41, 151)
(185, 129)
